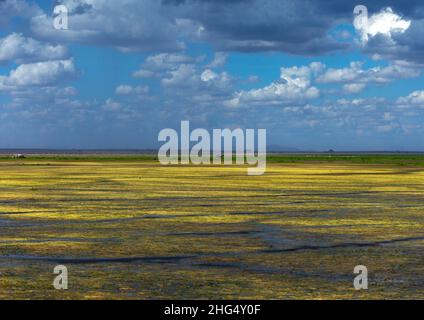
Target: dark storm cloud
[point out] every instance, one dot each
(298, 27)
(261, 25)
(302, 27)
(408, 46)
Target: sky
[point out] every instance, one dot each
(315, 74)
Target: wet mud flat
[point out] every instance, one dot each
(139, 230)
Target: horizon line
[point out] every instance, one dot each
(150, 150)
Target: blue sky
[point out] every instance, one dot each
(125, 70)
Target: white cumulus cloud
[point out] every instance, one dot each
(294, 86)
(386, 22)
(15, 47)
(39, 74)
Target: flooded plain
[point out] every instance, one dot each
(139, 230)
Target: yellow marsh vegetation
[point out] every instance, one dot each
(139, 230)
